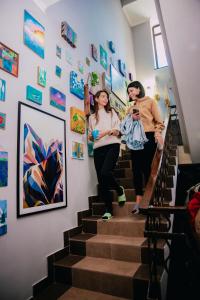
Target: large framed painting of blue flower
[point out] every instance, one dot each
(41, 163)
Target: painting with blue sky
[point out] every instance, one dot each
(3, 216)
(34, 34)
(3, 168)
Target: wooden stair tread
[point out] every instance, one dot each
(117, 240)
(108, 266)
(82, 294)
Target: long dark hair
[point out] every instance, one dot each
(107, 107)
(137, 84)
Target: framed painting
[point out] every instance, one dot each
(68, 34)
(122, 67)
(34, 34)
(118, 85)
(57, 99)
(2, 90)
(94, 52)
(33, 95)
(58, 71)
(3, 217)
(76, 85)
(77, 150)
(2, 120)
(9, 60)
(41, 162)
(103, 58)
(58, 51)
(3, 168)
(111, 46)
(77, 120)
(42, 77)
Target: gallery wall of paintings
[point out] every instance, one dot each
(44, 150)
(47, 86)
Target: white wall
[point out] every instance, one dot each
(29, 240)
(143, 49)
(180, 22)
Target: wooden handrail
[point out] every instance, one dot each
(155, 168)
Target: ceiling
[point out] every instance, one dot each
(140, 11)
(44, 4)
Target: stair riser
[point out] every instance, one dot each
(112, 251)
(120, 286)
(119, 211)
(127, 183)
(130, 196)
(123, 164)
(123, 173)
(124, 229)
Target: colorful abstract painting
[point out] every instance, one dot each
(58, 51)
(2, 120)
(34, 34)
(77, 120)
(42, 77)
(76, 85)
(3, 217)
(103, 58)
(94, 52)
(58, 71)
(33, 95)
(9, 60)
(68, 34)
(122, 67)
(3, 168)
(41, 161)
(2, 90)
(57, 99)
(111, 46)
(77, 150)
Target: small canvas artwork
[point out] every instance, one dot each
(69, 58)
(58, 71)
(58, 51)
(94, 52)
(41, 164)
(33, 95)
(68, 34)
(2, 120)
(130, 76)
(42, 77)
(34, 34)
(80, 67)
(57, 99)
(76, 85)
(2, 90)
(9, 60)
(3, 168)
(106, 82)
(103, 58)
(3, 217)
(122, 67)
(77, 150)
(77, 120)
(111, 46)
(87, 61)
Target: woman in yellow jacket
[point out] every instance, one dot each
(153, 125)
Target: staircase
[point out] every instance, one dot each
(107, 260)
